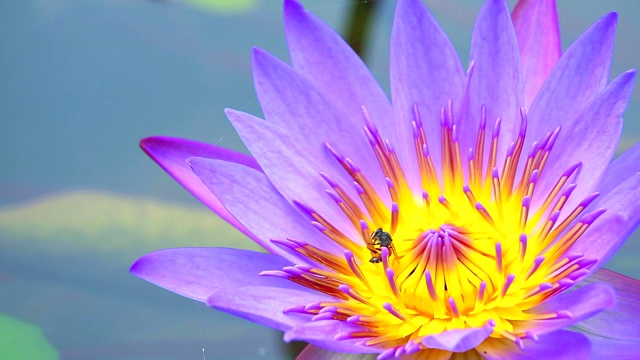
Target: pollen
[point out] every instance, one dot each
(475, 246)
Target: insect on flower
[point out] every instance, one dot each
(380, 239)
(492, 192)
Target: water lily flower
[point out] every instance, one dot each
(466, 218)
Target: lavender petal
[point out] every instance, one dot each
(249, 196)
(580, 74)
(558, 345)
(421, 54)
(496, 81)
(172, 154)
(335, 69)
(615, 332)
(581, 304)
(198, 272)
(538, 33)
(264, 304)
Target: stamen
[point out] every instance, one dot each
(538, 289)
(353, 265)
(523, 246)
(392, 282)
(485, 214)
(524, 213)
(394, 217)
(430, 287)
(507, 284)
(480, 297)
(534, 267)
(353, 294)
(493, 151)
(384, 255)
(454, 307)
(387, 306)
(497, 192)
(499, 257)
(323, 316)
(445, 203)
(480, 144)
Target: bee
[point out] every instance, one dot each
(380, 239)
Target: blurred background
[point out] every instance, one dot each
(81, 82)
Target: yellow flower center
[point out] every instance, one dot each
(471, 249)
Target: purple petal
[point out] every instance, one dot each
(458, 340)
(619, 170)
(198, 272)
(580, 74)
(591, 138)
(496, 80)
(312, 352)
(334, 68)
(172, 154)
(249, 196)
(321, 333)
(615, 332)
(293, 168)
(425, 71)
(291, 102)
(536, 26)
(612, 228)
(264, 304)
(558, 345)
(581, 304)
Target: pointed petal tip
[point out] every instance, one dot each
(231, 113)
(629, 75)
(146, 142)
(191, 160)
(136, 267)
(262, 61)
(609, 21)
(141, 266)
(292, 7)
(258, 53)
(149, 143)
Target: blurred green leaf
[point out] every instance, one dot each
(225, 6)
(19, 340)
(101, 222)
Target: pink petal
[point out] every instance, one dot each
(536, 26)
